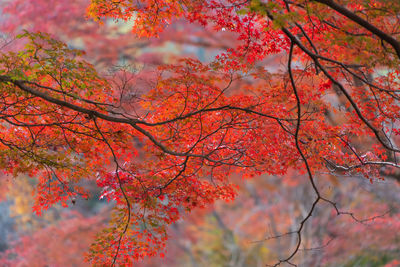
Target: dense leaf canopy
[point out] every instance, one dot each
(329, 105)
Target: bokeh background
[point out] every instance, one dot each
(238, 233)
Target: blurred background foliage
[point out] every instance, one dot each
(227, 234)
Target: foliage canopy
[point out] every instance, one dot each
(173, 149)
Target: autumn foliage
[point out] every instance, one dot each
(326, 107)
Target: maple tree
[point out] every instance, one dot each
(63, 121)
